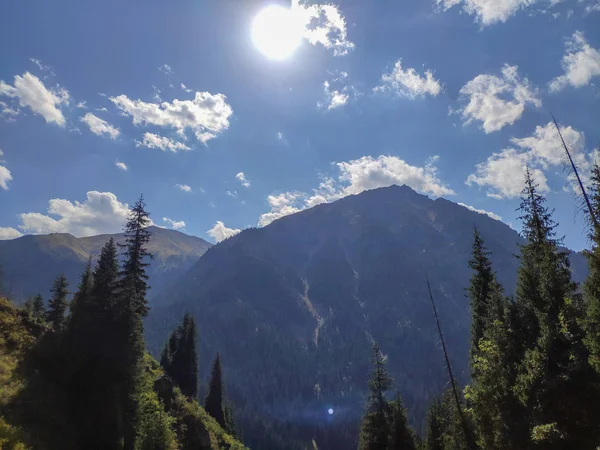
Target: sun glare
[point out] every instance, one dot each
(276, 32)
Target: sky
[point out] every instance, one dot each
(227, 117)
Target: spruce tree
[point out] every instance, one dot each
(214, 404)
(402, 435)
(38, 309)
(82, 297)
(180, 357)
(132, 307)
(592, 284)
(434, 431)
(555, 361)
(57, 306)
(375, 428)
(483, 281)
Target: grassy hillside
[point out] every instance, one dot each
(35, 418)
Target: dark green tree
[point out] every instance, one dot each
(131, 308)
(214, 402)
(483, 282)
(57, 306)
(402, 435)
(434, 430)
(180, 357)
(555, 361)
(592, 284)
(82, 297)
(38, 310)
(375, 428)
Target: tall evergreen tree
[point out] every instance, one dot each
(214, 403)
(84, 292)
(434, 431)
(375, 429)
(555, 360)
(402, 435)
(38, 310)
(132, 308)
(57, 306)
(180, 357)
(592, 284)
(494, 408)
(483, 282)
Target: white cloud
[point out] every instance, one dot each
(99, 126)
(279, 135)
(325, 25)
(185, 88)
(164, 143)
(174, 224)
(242, 179)
(281, 205)
(592, 8)
(354, 177)
(581, 63)
(82, 104)
(481, 211)
(31, 92)
(220, 232)
(232, 194)
(408, 83)
(504, 174)
(100, 213)
(5, 177)
(166, 69)
(487, 93)
(335, 98)
(488, 12)
(207, 115)
(183, 187)
(9, 233)
(122, 166)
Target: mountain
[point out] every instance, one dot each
(293, 308)
(30, 263)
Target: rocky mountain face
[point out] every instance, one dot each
(294, 307)
(30, 263)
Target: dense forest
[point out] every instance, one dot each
(75, 373)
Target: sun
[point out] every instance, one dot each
(277, 32)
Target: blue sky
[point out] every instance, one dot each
(101, 101)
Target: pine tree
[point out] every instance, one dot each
(57, 306)
(592, 284)
(132, 308)
(555, 361)
(434, 431)
(402, 436)
(483, 281)
(84, 291)
(38, 309)
(375, 428)
(230, 425)
(213, 404)
(180, 357)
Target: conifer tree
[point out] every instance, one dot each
(132, 308)
(214, 404)
(434, 431)
(555, 361)
(82, 297)
(375, 428)
(38, 309)
(180, 357)
(483, 282)
(592, 284)
(402, 435)
(57, 306)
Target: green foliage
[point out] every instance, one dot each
(214, 402)
(180, 357)
(57, 306)
(402, 436)
(434, 430)
(592, 284)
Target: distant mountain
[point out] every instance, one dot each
(293, 308)
(30, 263)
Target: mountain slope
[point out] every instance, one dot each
(293, 307)
(30, 263)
